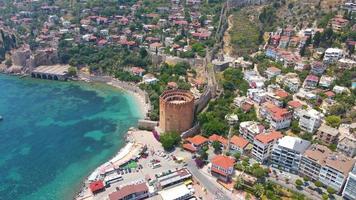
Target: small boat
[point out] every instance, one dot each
(1, 118)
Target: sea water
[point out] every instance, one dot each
(53, 134)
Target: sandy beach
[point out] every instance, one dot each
(135, 91)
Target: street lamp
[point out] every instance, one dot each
(231, 119)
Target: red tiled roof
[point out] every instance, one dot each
(275, 111)
(282, 93)
(239, 141)
(96, 186)
(312, 78)
(189, 147)
(266, 138)
(273, 69)
(218, 138)
(329, 94)
(197, 140)
(172, 84)
(294, 104)
(223, 161)
(137, 70)
(128, 190)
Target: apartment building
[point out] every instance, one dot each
(320, 163)
(327, 134)
(249, 129)
(279, 118)
(347, 145)
(263, 144)
(333, 54)
(349, 192)
(310, 120)
(287, 153)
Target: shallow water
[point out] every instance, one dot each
(55, 133)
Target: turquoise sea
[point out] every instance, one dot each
(55, 133)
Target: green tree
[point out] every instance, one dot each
(216, 145)
(203, 155)
(333, 120)
(72, 71)
(259, 172)
(8, 62)
(295, 127)
(330, 190)
(258, 190)
(239, 185)
(237, 155)
(298, 183)
(318, 184)
(325, 196)
(169, 140)
(316, 39)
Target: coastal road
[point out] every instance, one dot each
(206, 182)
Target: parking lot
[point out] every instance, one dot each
(155, 163)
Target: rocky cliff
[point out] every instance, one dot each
(7, 42)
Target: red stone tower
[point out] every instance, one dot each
(176, 110)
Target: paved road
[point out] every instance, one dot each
(207, 183)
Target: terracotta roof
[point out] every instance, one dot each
(189, 147)
(96, 186)
(223, 161)
(128, 190)
(276, 112)
(329, 94)
(239, 141)
(312, 78)
(294, 104)
(274, 69)
(266, 138)
(218, 138)
(172, 84)
(281, 93)
(197, 140)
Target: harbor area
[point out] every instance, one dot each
(51, 72)
(143, 169)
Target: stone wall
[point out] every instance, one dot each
(147, 124)
(203, 101)
(191, 132)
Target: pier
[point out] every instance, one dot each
(52, 72)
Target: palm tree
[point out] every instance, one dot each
(258, 190)
(239, 184)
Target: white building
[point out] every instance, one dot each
(340, 89)
(310, 120)
(287, 153)
(257, 95)
(347, 145)
(325, 81)
(290, 80)
(249, 129)
(333, 54)
(349, 192)
(263, 144)
(176, 193)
